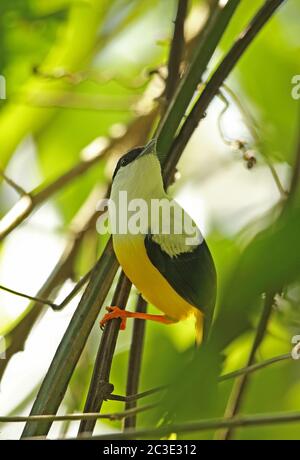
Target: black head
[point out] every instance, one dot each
(128, 158)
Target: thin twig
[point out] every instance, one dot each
(20, 190)
(236, 397)
(204, 425)
(252, 126)
(135, 362)
(68, 99)
(135, 397)
(254, 367)
(53, 305)
(130, 412)
(216, 81)
(231, 375)
(176, 50)
(73, 417)
(29, 297)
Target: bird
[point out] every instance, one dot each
(170, 266)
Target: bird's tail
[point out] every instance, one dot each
(198, 326)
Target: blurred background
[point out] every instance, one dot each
(83, 85)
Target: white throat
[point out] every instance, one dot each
(140, 179)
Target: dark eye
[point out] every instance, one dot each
(123, 162)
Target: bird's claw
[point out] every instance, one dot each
(114, 313)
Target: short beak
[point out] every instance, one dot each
(149, 148)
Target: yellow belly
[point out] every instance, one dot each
(132, 256)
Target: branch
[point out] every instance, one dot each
(20, 191)
(176, 51)
(78, 101)
(252, 126)
(29, 297)
(74, 417)
(231, 375)
(100, 388)
(135, 361)
(54, 306)
(204, 425)
(254, 367)
(135, 397)
(72, 344)
(213, 86)
(236, 397)
(202, 55)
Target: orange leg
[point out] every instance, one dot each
(116, 312)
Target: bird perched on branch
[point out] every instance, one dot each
(158, 245)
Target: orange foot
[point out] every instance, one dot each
(116, 312)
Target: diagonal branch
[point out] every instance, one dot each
(193, 76)
(216, 81)
(18, 189)
(135, 361)
(54, 306)
(100, 387)
(255, 367)
(93, 416)
(251, 126)
(240, 385)
(204, 425)
(176, 50)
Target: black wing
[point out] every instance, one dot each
(191, 274)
